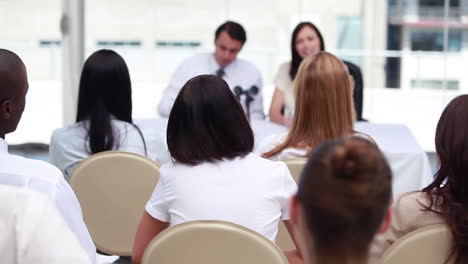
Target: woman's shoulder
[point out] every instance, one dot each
(73, 130)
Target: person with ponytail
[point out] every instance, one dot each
(342, 201)
(104, 115)
(445, 200)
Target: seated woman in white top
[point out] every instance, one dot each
(104, 115)
(324, 108)
(445, 200)
(214, 175)
(342, 201)
(33, 231)
(306, 40)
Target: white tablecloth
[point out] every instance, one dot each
(409, 163)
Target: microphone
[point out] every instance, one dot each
(238, 91)
(253, 90)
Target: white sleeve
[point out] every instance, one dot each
(178, 80)
(256, 107)
(68, 205)
(55, 153)
(43, 236)
(289, 189)
(158, 206)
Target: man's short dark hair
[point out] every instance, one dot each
(234, 30)
(207, 123)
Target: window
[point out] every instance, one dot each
(439, 3)
(119, 43)
(434, 84)
(433, 39)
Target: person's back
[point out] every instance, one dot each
(243, 190)
(214, 175)
(104, 114)
(342, 201)
(32, 231)
(33, 174)
(445, 200)
(323, 109)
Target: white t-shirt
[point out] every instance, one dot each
(250, 191)
(69, 145)
(238, 73)
(32, 230)
(47, 179)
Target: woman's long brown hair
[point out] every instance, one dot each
(324, 104)
(448, 192)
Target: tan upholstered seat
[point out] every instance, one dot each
(113, 188)
(283, 239)
(295, 166)
(211, 242)
(427, 245)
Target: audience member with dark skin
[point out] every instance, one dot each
(13, 88)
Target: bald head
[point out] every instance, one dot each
(12, 74)
(13, 89)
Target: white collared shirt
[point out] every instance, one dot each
(238, 73)
(47, 179)
(33, 231)
(70, 145)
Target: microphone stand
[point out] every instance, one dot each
(238, 91)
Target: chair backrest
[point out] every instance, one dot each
(211, 242)
(295, 166)
(428, 245)
(113, 188)
(283, 239)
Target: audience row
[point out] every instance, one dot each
(344, 192)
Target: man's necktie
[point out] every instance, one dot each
(220, 72)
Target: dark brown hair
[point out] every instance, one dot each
(345, 191)
(234, 30)
(450, 185)
(295, 57)
(207, 123)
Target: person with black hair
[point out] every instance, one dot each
(35, 175)
(215, 175)
(230, 37)
(104, 116)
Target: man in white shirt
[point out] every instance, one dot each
(33, 231)
(229, 39)
(33, 174)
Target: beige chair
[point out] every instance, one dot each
(113, 188)
(211, 242)
(295, 166)
(427, 245)
(283, 240)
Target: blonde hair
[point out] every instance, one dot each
(324, 106)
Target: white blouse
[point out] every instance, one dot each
(250, 191)
(69, 145)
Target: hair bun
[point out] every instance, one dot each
(346, 160)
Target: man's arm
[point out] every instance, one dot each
(178, 79)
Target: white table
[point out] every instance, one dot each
(409, 163)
